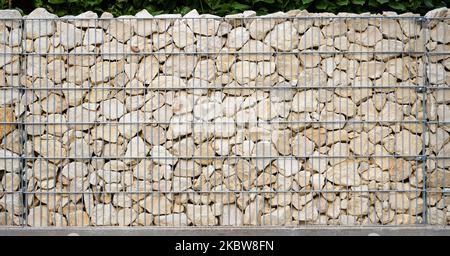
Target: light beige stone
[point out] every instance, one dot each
(279, 217)
(302, 146)
(283, 37)
(200, 215)
(253, 46)
(288, 165)
(182, 35)
(104, 215)
(288, 66)
(311, 38)
(344, 173)
(258, 28)
(157, 204)
(264, 153)
(408, 144)
(305, 101)
(244, 71)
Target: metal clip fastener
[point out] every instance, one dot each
(421, 89)
(421, 158)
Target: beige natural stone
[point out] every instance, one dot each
(288, 166)
(331, 120)
(39, 216)
(7, 116)
(200, 215)
(231, 216)
(308, 213)
(358, 206)
(302, 146)
(372, 69)
(112, 109)
(279, 217)
(237, 37)
(259, 27)
(264, 153)
(288, 66)
(78, 218)
(305, 101)
(157, 204)
(207, 26)
(182, 35)
(136, 148)
(181, 66)
(311, 38)
(120, 29)
(399, 169)
(283, 37)
(38, 23)
(440, 33)
(148, 69)
(369, 37)
(50, 147)
(104, 215)
(408, 144)
(171, 220)
(344, 173)
(244, 71)
(390, 48)
(253, 46)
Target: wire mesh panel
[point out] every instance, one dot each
(11, 139)
(281, 120)
(438, 179)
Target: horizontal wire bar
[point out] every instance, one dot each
(219, 123)
(309, 16)
(438, 122)
(117, 54)
(244, 87)
(237, 191)
(212, 157)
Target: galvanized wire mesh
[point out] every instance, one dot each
(206, 121)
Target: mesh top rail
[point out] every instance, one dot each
(288, 119)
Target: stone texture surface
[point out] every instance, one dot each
(202, 121)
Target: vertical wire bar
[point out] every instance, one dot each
(445, 192)
(193, 193)
(88, 85)
(401, 126)
(48, 141)
(160, 195)
(283, 104)
(141, 25)
(425, 29)
(181, 21)
(48, 44)
(418, 112)
(160, 169)
(22, 128)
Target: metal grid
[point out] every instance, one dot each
(207, 121)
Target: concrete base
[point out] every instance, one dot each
(227, 231)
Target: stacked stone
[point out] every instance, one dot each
(438, 114)
(11, 206)
(285, 119)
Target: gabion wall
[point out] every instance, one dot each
(286, 119)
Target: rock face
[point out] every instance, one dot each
(200, 120)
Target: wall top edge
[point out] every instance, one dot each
(42, 14)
